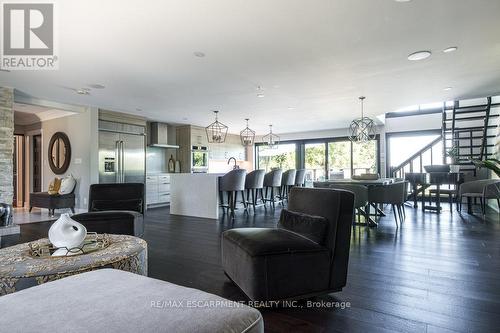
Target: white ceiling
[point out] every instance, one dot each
(316, 56)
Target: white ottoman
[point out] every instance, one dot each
(109, 300)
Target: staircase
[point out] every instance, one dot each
(431, 154)
(469, 127)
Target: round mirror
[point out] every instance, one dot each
(59, 153)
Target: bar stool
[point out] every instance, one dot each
(300, 177)
(287, 181)
(232, 183)
(272, 180)
(254, 182)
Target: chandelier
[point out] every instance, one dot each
(362, 129)
(216, 131)
(271, 139)
(247, 136)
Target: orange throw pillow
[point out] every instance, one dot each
(54, 186)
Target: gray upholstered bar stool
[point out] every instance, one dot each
(287, 181)
(232, 183)
(254, 183)
(272, 180)
(300, 177)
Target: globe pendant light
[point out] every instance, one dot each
(247, 136)
(216, 131)
(362, 129)
(271, 139)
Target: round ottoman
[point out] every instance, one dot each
(19, 270)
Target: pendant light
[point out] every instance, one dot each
(216, 131)
(271, 140)
(362, 129)
(247, 136)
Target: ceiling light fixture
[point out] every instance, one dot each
(420, 55)
(216, 131)
(447, 89)
(260, 92)
(83, 91)
(450, 49)
(362, 129)
(199, 54)
(247, 136)
(271, 140)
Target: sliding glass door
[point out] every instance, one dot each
(283, 156)
(315, 161)
(339, 159)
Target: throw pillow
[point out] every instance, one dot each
(54, 186)
(67, 185)
(309, 226)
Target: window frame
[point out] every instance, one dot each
(300, 151)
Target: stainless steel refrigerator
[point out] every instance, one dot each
(122, 153)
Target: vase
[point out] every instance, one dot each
(66, 234)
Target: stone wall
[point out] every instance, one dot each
(6, 144)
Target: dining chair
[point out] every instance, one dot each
(393, 194)
(360, 198)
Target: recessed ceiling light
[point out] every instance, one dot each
(83, 91)
(199, 54)
(450, 49)
(420, 55)
(260, 92)
(402, 0)
(447, 89)
(96, 86)
(291, 108)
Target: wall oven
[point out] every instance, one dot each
(199, 159)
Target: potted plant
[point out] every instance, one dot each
(453, 154)
(492, 164)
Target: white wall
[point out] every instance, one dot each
(81, 130)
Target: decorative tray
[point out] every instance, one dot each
(93, 242)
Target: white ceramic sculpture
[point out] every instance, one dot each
(66, 233)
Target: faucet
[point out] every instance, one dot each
(235, 166)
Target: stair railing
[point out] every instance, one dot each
(400, 170)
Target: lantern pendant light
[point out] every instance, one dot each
(362, 129)
(271, 140)
(247, 136)
(216, 131)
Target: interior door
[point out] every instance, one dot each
(108, 157)
(134, 158)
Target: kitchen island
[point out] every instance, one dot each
(195, 194)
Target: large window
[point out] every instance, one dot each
(315, 161)
(323, 159)
(339, 159)
(282, 156)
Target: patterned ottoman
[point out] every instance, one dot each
(19, 270)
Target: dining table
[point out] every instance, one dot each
(378, 211)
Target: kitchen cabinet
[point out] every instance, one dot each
(158, 189)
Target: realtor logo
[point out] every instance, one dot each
(28, 37)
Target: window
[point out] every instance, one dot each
(364, 157)
(314, 161)
(339, 159)
(283, 156)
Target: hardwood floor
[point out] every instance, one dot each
(436, 273)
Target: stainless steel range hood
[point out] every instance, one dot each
(158, 136)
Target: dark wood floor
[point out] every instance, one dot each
(436, 273)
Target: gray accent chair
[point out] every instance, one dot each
(254, 183)
(287, 181)
(272, 181)
(277, 263)
(393, 194)
(360, 197)
(300, 177)
(232, 183)
(483, 189)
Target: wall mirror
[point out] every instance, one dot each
(59, 153)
